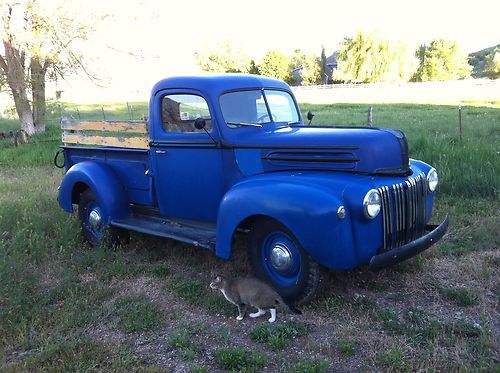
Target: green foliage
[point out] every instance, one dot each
(441, 60)
(276, 65)
(241, 360)
(461, 296)
(310, 366)
(393, 359)
(492, 66)
(310, 72)
(199, 294)
(137, 314)
(367, 58)
(182, 339)
(226, 59)
(278, 336)
(347, 346)
(77, 356)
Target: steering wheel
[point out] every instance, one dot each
(259, 119)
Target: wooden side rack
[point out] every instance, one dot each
(123, 134)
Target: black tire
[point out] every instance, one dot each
(309, 277)
(102, 234)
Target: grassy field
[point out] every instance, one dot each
(147, 306)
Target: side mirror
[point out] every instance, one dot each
(200, 123)
(310, 116)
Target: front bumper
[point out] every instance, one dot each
(413, 248)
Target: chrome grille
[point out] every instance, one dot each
(403, 211)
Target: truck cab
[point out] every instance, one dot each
(228, 153)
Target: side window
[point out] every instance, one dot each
(178, 113)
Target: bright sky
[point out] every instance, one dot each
(167, 33)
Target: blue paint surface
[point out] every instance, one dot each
(296, 174)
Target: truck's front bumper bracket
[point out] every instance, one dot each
(413, 248)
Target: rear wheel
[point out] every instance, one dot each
(278, 258)
(92, 221)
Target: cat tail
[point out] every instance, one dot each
(290, 308)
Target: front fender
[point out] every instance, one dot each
(101, 179)
(308, 210)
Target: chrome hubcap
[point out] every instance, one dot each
(281, 258)
(95, 219)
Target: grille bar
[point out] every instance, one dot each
(404, 206)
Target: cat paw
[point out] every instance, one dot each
(239, 318)
(271, 319)
(256, 314)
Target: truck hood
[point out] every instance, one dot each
(363, 150)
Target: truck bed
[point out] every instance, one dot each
(130, 166)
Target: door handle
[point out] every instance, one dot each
(161, 152)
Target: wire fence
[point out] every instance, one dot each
(445, 92)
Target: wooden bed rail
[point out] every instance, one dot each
(124, 134)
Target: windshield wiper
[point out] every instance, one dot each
(245, 124)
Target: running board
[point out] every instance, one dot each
(187, 231)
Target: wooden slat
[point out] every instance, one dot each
(120, 141)
(110, 126)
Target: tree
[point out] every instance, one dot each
(492, 66)
(227, 59)
(323, 74)
(276, 65)
(367, 58)
(441, 60)
(37, 45)
(310, 68)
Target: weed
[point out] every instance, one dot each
(347, 346)
(198, 369)
(236, 359)
(197, 293)
(278, 336)
(460, 296)
(78, 355)
(137, 313)
(310, 366)
(393, 359)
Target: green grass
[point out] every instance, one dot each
(198, 293)
(393, 359)
(310, 366)
(240, 360)
(183, 339)
(54, 289)
(137, 314)
(460, 296)
(278, 337)
(347, 346)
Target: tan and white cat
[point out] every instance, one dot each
(244, 292)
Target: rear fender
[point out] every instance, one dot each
(101, 179)
(308, 211)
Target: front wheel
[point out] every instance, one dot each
(277, 257)
(92, 220)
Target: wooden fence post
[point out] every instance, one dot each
(460, 121)
(370, 116)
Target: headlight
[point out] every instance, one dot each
(371, 204)
(432, 179)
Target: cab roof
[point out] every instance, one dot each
(216, 84)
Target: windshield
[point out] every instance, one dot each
(258, 107)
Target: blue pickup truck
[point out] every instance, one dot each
(222, 154)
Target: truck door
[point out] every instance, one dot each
(188, 175)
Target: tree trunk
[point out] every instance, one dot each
(38, 92)
(15, 74)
